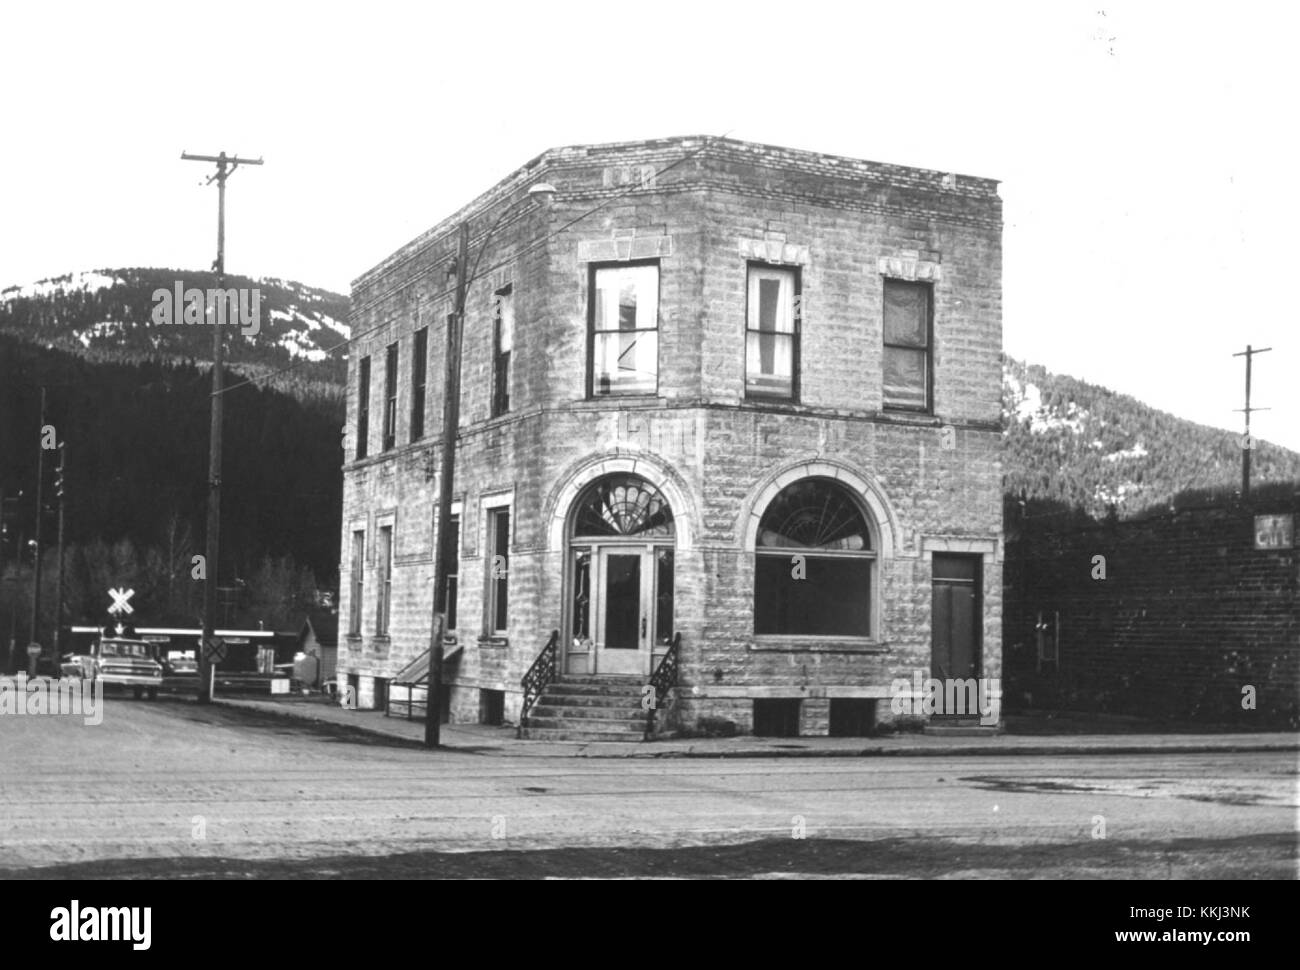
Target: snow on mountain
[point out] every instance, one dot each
(112, 310)
(1105, 495)
(1137, 451)
(1026, 405)
(88, 280)
(312, 320)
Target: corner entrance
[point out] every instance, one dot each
(620, 578)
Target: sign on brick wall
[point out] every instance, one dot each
(1274, 531)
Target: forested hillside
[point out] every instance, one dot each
(1077, 444)
(136, 438)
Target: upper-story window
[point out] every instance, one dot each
(390, 398)
(419, 381)
(363, 406)
(624, 356)
(908, 333)
(503, 341)
(772, 333)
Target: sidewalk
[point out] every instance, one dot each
(1024, 735)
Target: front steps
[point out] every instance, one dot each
(588, 708)
(961, 727)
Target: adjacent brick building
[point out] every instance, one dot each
(1187, 615)
(742, 394)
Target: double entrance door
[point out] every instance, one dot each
(628, 593)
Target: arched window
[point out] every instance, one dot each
(814, 563)
(623, 505)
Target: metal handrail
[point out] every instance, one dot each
(540, 674)
(663, 679)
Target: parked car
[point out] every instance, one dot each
(180, 665)
(118, 661)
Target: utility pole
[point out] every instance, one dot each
(40, 481)
(450, 424)
(1247, 442)
(465, 274)
(60, 486)
(4, 542)
(225, 165)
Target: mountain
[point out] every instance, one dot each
(107, 315)
(131, 399)
(1081, 445)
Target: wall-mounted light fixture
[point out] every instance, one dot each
(543, 192)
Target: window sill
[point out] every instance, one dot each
(646, 399)
(800, 643)
(493, 641)
(910, 416)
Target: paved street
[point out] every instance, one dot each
(169, 788)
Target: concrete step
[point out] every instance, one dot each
(591, 725)
(625, 712)
(961, 728)
(594, 690)
(590, 700)
(598, 679)
(565, 734)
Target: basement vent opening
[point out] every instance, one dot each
(852, 717)
(776, 718)
(491, 707)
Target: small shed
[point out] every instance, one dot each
(318, 642)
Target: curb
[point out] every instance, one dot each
(1018, 750)
(635, 749)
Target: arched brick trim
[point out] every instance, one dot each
(881, 518)
(662, 476)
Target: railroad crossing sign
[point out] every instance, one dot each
(214, 650)
(120, 597)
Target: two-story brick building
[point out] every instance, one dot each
(742, 394)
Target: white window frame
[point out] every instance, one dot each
(606, 354)
(757, 383)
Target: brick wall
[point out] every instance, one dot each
(1189, 613)
(705, 210)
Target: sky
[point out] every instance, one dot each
(1147, 151)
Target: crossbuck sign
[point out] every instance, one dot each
(120, 597)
